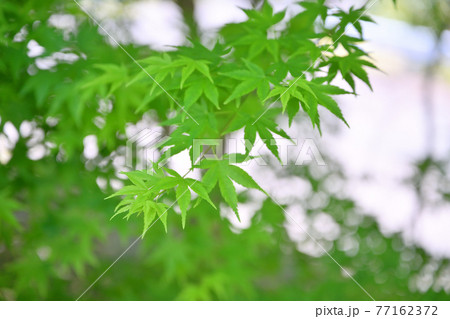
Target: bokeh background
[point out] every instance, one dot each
(380, 207)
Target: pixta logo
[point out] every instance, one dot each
(297, 152)
(143, 149)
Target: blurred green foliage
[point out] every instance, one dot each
(56, 236)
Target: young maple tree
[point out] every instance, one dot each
(61, 83)
(256, 71)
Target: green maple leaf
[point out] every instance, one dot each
(149, 215)
(159, 67)
(264, 18)
(199, 87)
(190, 66)
(228, 192)
(253, 78)
(353, 17)
(193, 93)
(183, 198)
(349, 66)
(309, 94)
(223, 173)
(183, 193)
(162, 211)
